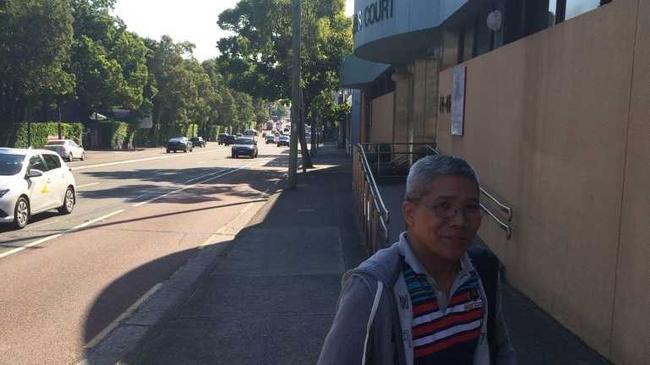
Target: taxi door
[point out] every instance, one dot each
(40, 197)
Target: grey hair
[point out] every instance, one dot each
(429, 168)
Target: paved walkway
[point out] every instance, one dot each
(270, 296)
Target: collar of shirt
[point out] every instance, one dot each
(466, 266)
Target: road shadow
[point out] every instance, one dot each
(185, 186)
(289, 209)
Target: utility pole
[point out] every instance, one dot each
(58, 124)
(295, 94)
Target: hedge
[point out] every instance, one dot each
(42, 130)
(114, 135)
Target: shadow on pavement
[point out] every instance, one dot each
(267, 296)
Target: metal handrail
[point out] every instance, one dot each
(501, 224)
(373, 184)
(506, 209)
(371, 207)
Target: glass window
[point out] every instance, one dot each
(52, 161)
(10, 164)
(577, 7)
(36, 162)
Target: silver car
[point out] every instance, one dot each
(31, 182)
(67, 149)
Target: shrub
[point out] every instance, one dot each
(42, 130)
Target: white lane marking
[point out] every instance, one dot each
(93, 221)
(29, 245)
(87, 185)
(49, 238)
(54, 236)
(127, 313)
(85, 167)
(190, 186)
(198, 178)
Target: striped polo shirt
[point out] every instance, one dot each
(444, 334)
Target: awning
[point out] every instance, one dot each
(356, 73)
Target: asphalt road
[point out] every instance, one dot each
(139, 215)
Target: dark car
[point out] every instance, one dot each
(244, 146)
(228, 139)
(221, 139)
(270, 139)
(283, 140)
(198, 142)
(179, 144)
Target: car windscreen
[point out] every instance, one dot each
(244, 141)
(55, 143)
(11, 164)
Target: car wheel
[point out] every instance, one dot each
(168, 151)
(68, 201)
(70, 157)
(278, 145)
(21, 213)
(83, 156)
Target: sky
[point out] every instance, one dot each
(184, 20)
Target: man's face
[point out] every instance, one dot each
(444, 222)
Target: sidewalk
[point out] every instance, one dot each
(269, 298)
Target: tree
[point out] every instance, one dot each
(35, 41)
(262, 114)
(259, 50)
(109, 62)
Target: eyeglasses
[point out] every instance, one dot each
(447, 210)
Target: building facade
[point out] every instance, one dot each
(549, 100)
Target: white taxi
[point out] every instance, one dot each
(31, 182)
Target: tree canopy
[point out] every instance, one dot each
(75, 55)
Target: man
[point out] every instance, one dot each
(429, 298)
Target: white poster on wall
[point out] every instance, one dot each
(458, 101)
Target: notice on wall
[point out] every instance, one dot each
(458, 101)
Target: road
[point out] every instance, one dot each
(139, 215)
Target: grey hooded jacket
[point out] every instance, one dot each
(371, 328)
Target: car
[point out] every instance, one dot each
(270, 139)
(244, 146)
(198, 142)
(221, 138)
(32, 182)
(229, 139)
(283, 140)
(66, 148)
(250, 132)
(179, 144)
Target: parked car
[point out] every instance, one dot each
(229, 139)
(270, 139)
(198, 142)
(244, 146)
(283, 140)
(179, 144)
(67, 149)
(31, 182)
